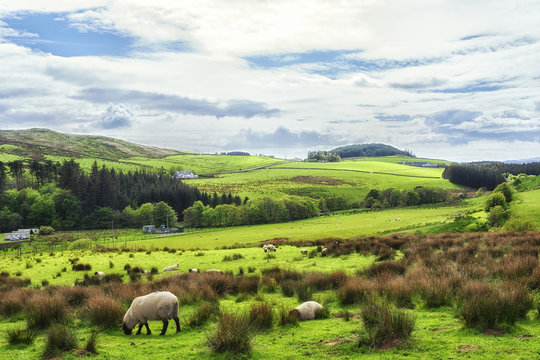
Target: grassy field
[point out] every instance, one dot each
(411, 220)
(527, 205)
(351, 179)
(439, 333)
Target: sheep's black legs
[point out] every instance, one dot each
(139, 331)
(165, 324)
(148, 332)
(177, 324)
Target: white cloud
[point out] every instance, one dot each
(413, 59)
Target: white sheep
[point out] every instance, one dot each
(159, 305)
(193, 270)
(324, 251)
(214, 271)
(306, 311)
(265, 248)
(171, 268)
(271, 247)
(304, 251)
(99, 274)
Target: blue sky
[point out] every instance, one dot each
(449, 79)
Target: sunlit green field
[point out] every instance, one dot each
(351, 179)
(399, 220)
(527, 205)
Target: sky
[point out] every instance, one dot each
(456, 80)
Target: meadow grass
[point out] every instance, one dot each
(526, 205)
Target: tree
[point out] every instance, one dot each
(145, 215)
(42, 211)
(505, 189)
(164, 214)
(16, 169)
(496, 199)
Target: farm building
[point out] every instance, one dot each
(149, 229)
(188, 174)
(34, 231)
(16, 235)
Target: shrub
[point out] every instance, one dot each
(248, 284)
(261, 315)
(495, 199)
(303, 291)
(46, 230)
(386, 326)
(59, 339)
(497, 216)
(205, 312)
(354, 290)
(42, 310)
(20, 336)
(284, 317)
(91, 343)
(484, 307)
(104, 312)
(81, 267)
(234, 333)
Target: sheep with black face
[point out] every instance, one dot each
(159, 305)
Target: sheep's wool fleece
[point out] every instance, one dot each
(308, 310)
(158, 305)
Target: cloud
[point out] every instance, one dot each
(420, 84)
(116, 116)
(386, 117)
(179, 104)
(283, 137)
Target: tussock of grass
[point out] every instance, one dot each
(234, 333)
(59, 339)
(20, 336)
(104, 312)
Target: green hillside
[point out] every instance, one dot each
(35, 143)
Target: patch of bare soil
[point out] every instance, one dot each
(464, 348)
(318, 180)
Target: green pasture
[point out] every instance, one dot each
(411, 219)
(527, 205)
(43, 266)
(206, 164)
(5, 157)
(438, 334)
(351, 179)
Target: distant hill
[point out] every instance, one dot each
(368, 150)
(34, 143)
(522, 161)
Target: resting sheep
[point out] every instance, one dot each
(159, 305)
(306, 311)
(171, 268)
(193, 270)
(271, 247)
(214, 271)
(99, 274)
(304, 251)
(265, 248)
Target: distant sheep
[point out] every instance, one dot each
(171, 268)
(214, 271)
(159, 305)
(193, 270)
(306, 311)
(99, 274)
(324, 251)
(265, 248)
(397, 219)
(304, 251)
(271, 247)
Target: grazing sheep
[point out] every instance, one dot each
(306, 311)
(99, 274)
(271, 248)
(397, 219)
(214, 271)
(159, 305)
(171, 268)
(304, 251)
(265, 248)
(193, 270)
(324, 251)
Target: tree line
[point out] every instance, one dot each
(487, 175)
(66, 197)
